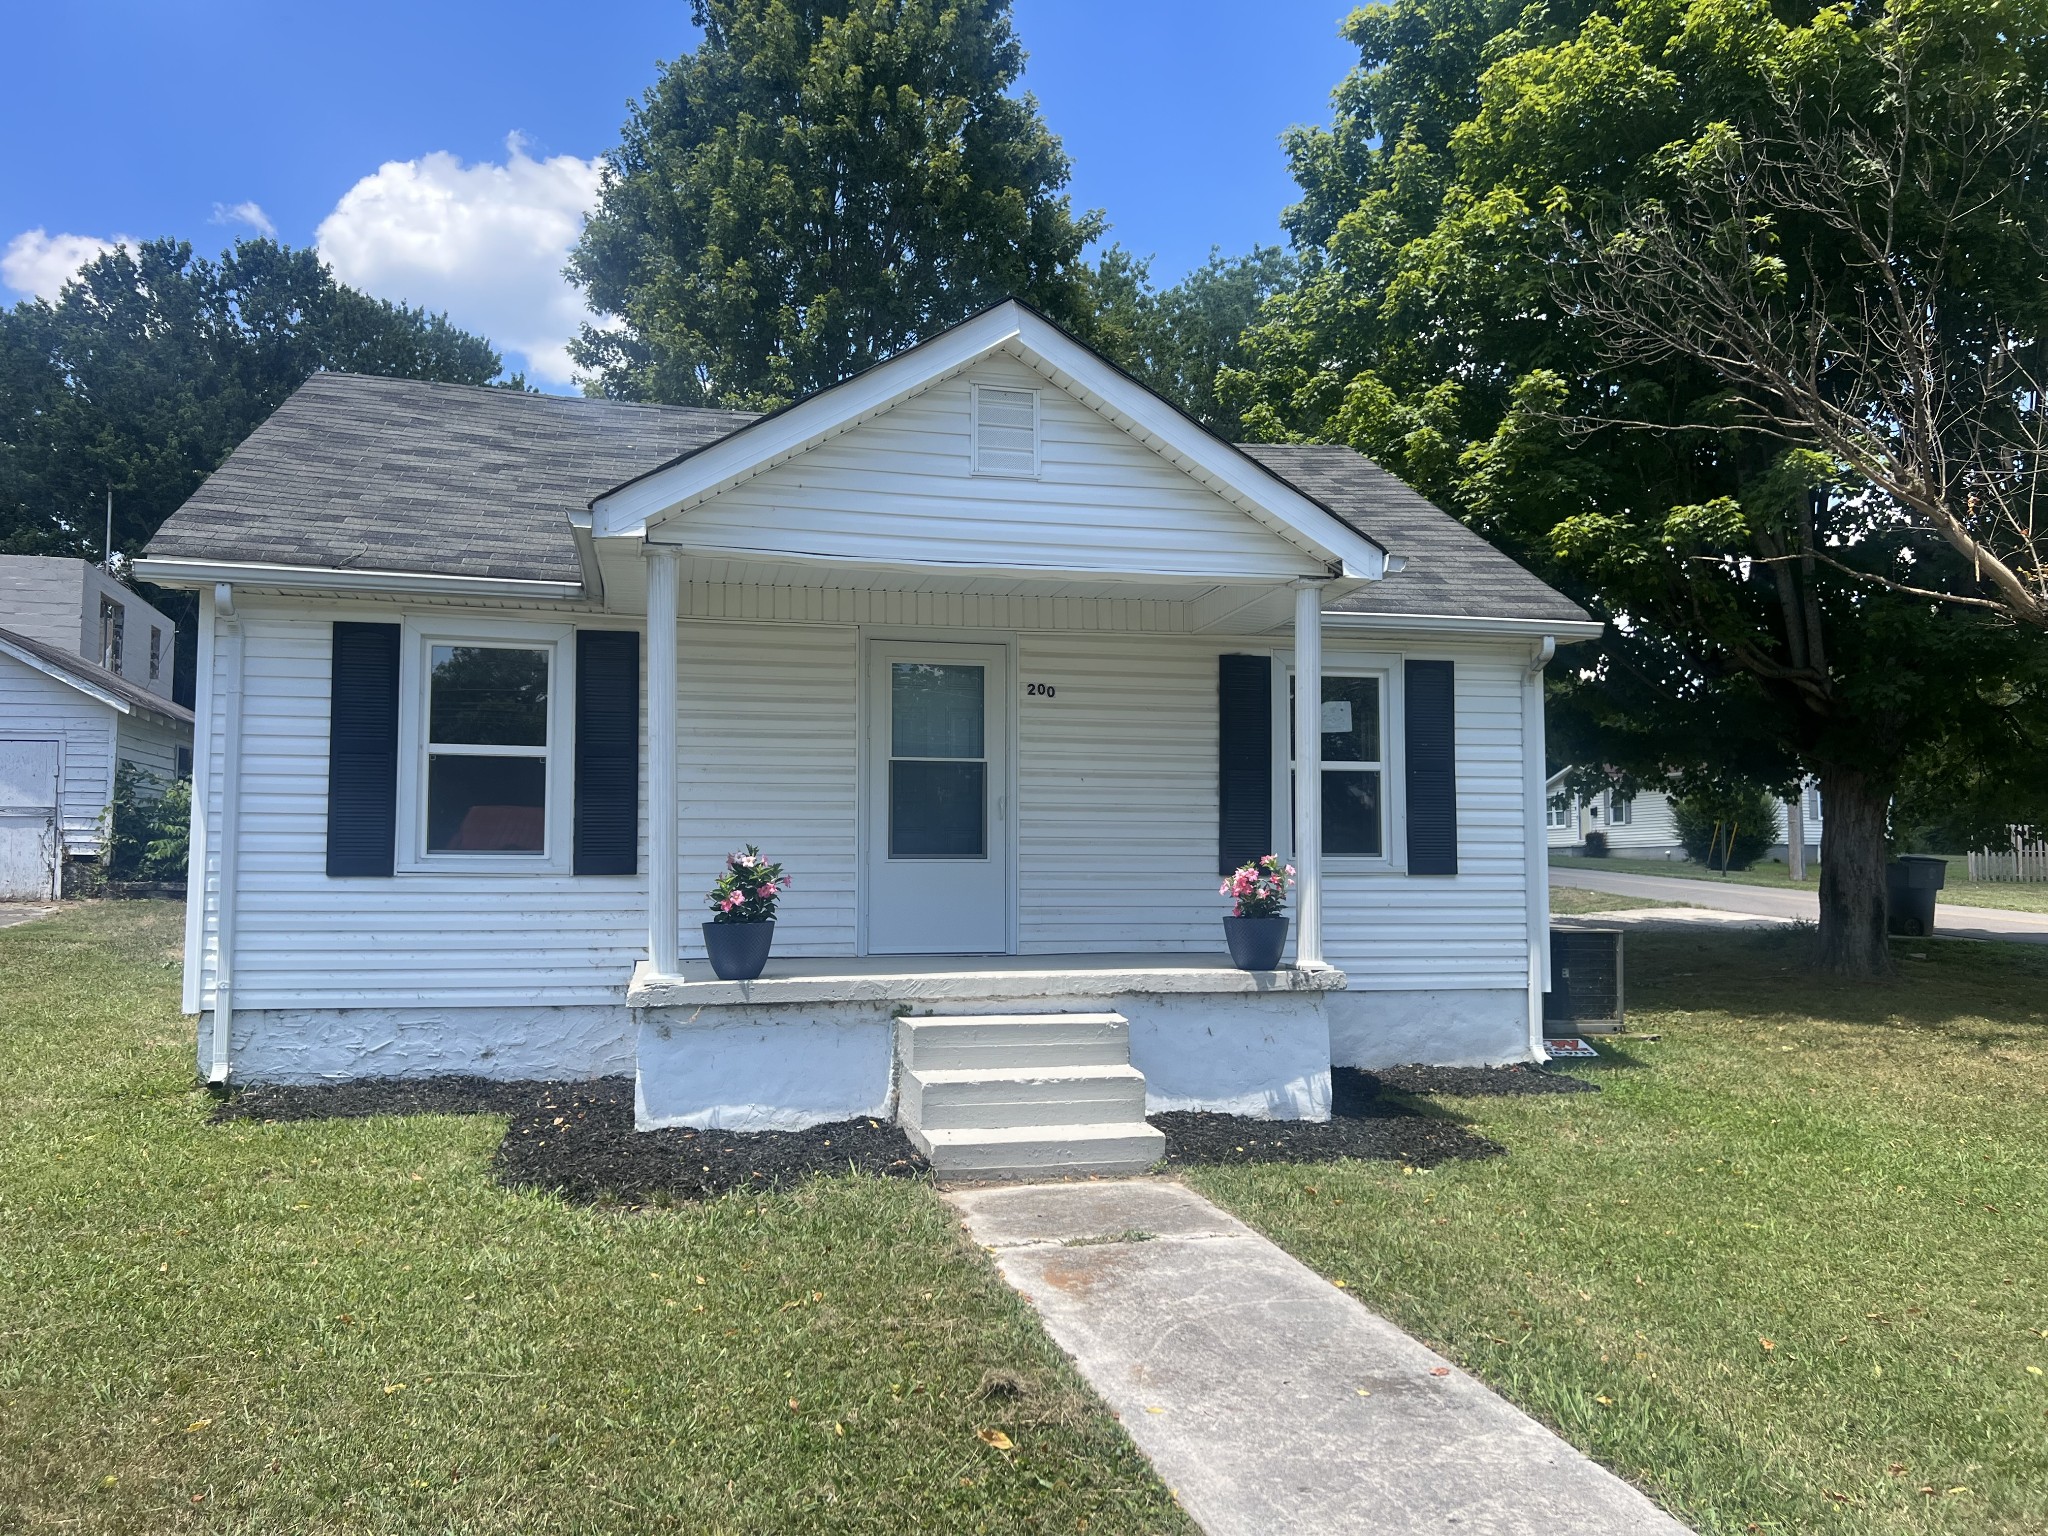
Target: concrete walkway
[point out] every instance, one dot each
(16, 912)
(1269, 1400)
(1950, 922)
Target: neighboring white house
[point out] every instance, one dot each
(1641, 826)
(86, 670)
(993, 648)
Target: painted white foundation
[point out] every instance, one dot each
(1476, 1028)
(763, 1068)
(1267, 1057)
(320, 1045)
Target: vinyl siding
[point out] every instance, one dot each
(37, 706)
(899, 488)
(1391, 932)
(151, 745)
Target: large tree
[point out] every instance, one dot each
(820, 184)
(1458, 324)
(152, 364)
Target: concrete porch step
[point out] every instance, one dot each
(1119, 1147)
(1014, 1040)
(997, 1098)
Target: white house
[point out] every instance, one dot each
(1641, 826)
(993, 648)
(86, 671)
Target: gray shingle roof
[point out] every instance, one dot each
(99, 676)
(1450, 569)
(354, 472)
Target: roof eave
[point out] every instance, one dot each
(176, 571)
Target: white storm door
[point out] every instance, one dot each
(936, 813)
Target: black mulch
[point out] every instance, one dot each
(360, 1097)
(577, 1139)
(1479, 1082)
(1365, 1121)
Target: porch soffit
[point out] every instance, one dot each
(655, 506)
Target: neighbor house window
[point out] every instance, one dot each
(1354, 773)
(1556, 811)
(1621, 809)
(484, 725)
(1811, 799)
(156, 653)
(112, 618)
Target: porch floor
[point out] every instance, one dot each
(980, 978)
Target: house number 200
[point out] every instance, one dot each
(1039, 690)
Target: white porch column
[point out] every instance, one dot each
(1308, 773)
(664, 830)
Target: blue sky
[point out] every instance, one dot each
(442, 153)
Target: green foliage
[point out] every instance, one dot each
(1440, 328)
(148, 826)
(747, 889)
(820, 184)
(1726, 826)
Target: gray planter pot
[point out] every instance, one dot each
(1256, 942)
(738, 951)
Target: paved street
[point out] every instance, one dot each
(1766, 901)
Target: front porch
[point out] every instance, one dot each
(994, 1050)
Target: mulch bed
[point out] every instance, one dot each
(1482, 1082)
(1366, 1121)
(577, 1139)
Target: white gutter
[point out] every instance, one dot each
(169, 572)
(1536, 857)
(229, 830)
(1554, 630)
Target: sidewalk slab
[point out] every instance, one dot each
(1266, 1398)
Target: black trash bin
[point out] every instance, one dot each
(1911, 882)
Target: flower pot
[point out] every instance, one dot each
(738, 951)
(1256, 942)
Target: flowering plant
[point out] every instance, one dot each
(748, 889)
(1260, 887)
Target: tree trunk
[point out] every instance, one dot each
(1853, 907)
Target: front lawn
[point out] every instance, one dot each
(346, 1325)
(1960, 891)
(1570, 901)
(1788, 1270)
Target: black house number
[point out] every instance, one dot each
(1039, 690)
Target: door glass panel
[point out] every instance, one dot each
(938, 810)
(934, 711)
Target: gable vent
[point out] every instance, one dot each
(1005, 431)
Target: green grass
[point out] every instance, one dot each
(1960, 891)
(1570, 901)
(347, 1326)
(1853, 1173)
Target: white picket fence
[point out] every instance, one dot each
(2023, 861)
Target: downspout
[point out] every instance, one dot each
(228, 629)
(1538, 856)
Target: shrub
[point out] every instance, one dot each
(1596, 845)
(148, 826)
(1706, 819)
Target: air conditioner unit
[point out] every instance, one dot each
(1585, 981)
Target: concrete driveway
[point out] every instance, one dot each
(13, 912)
(1950, 922)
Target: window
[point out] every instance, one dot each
(184, 762)
(483, 746)
(1811, 799)
(112, 618)
(156, 653)
(1354, 779)
(1005, 431)
(1621, 809)
(1557, 811)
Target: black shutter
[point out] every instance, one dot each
(607, 752)
(1430, 689)
(362, 751)
(1244, 775)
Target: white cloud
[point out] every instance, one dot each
(484, 242)
(250, 213)
(39, 263)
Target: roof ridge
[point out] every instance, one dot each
(498, 392)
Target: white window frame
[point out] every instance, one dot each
(1621, 810)
(1393, 855)
(1557, 811)
(974, 464)
(414, 676)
